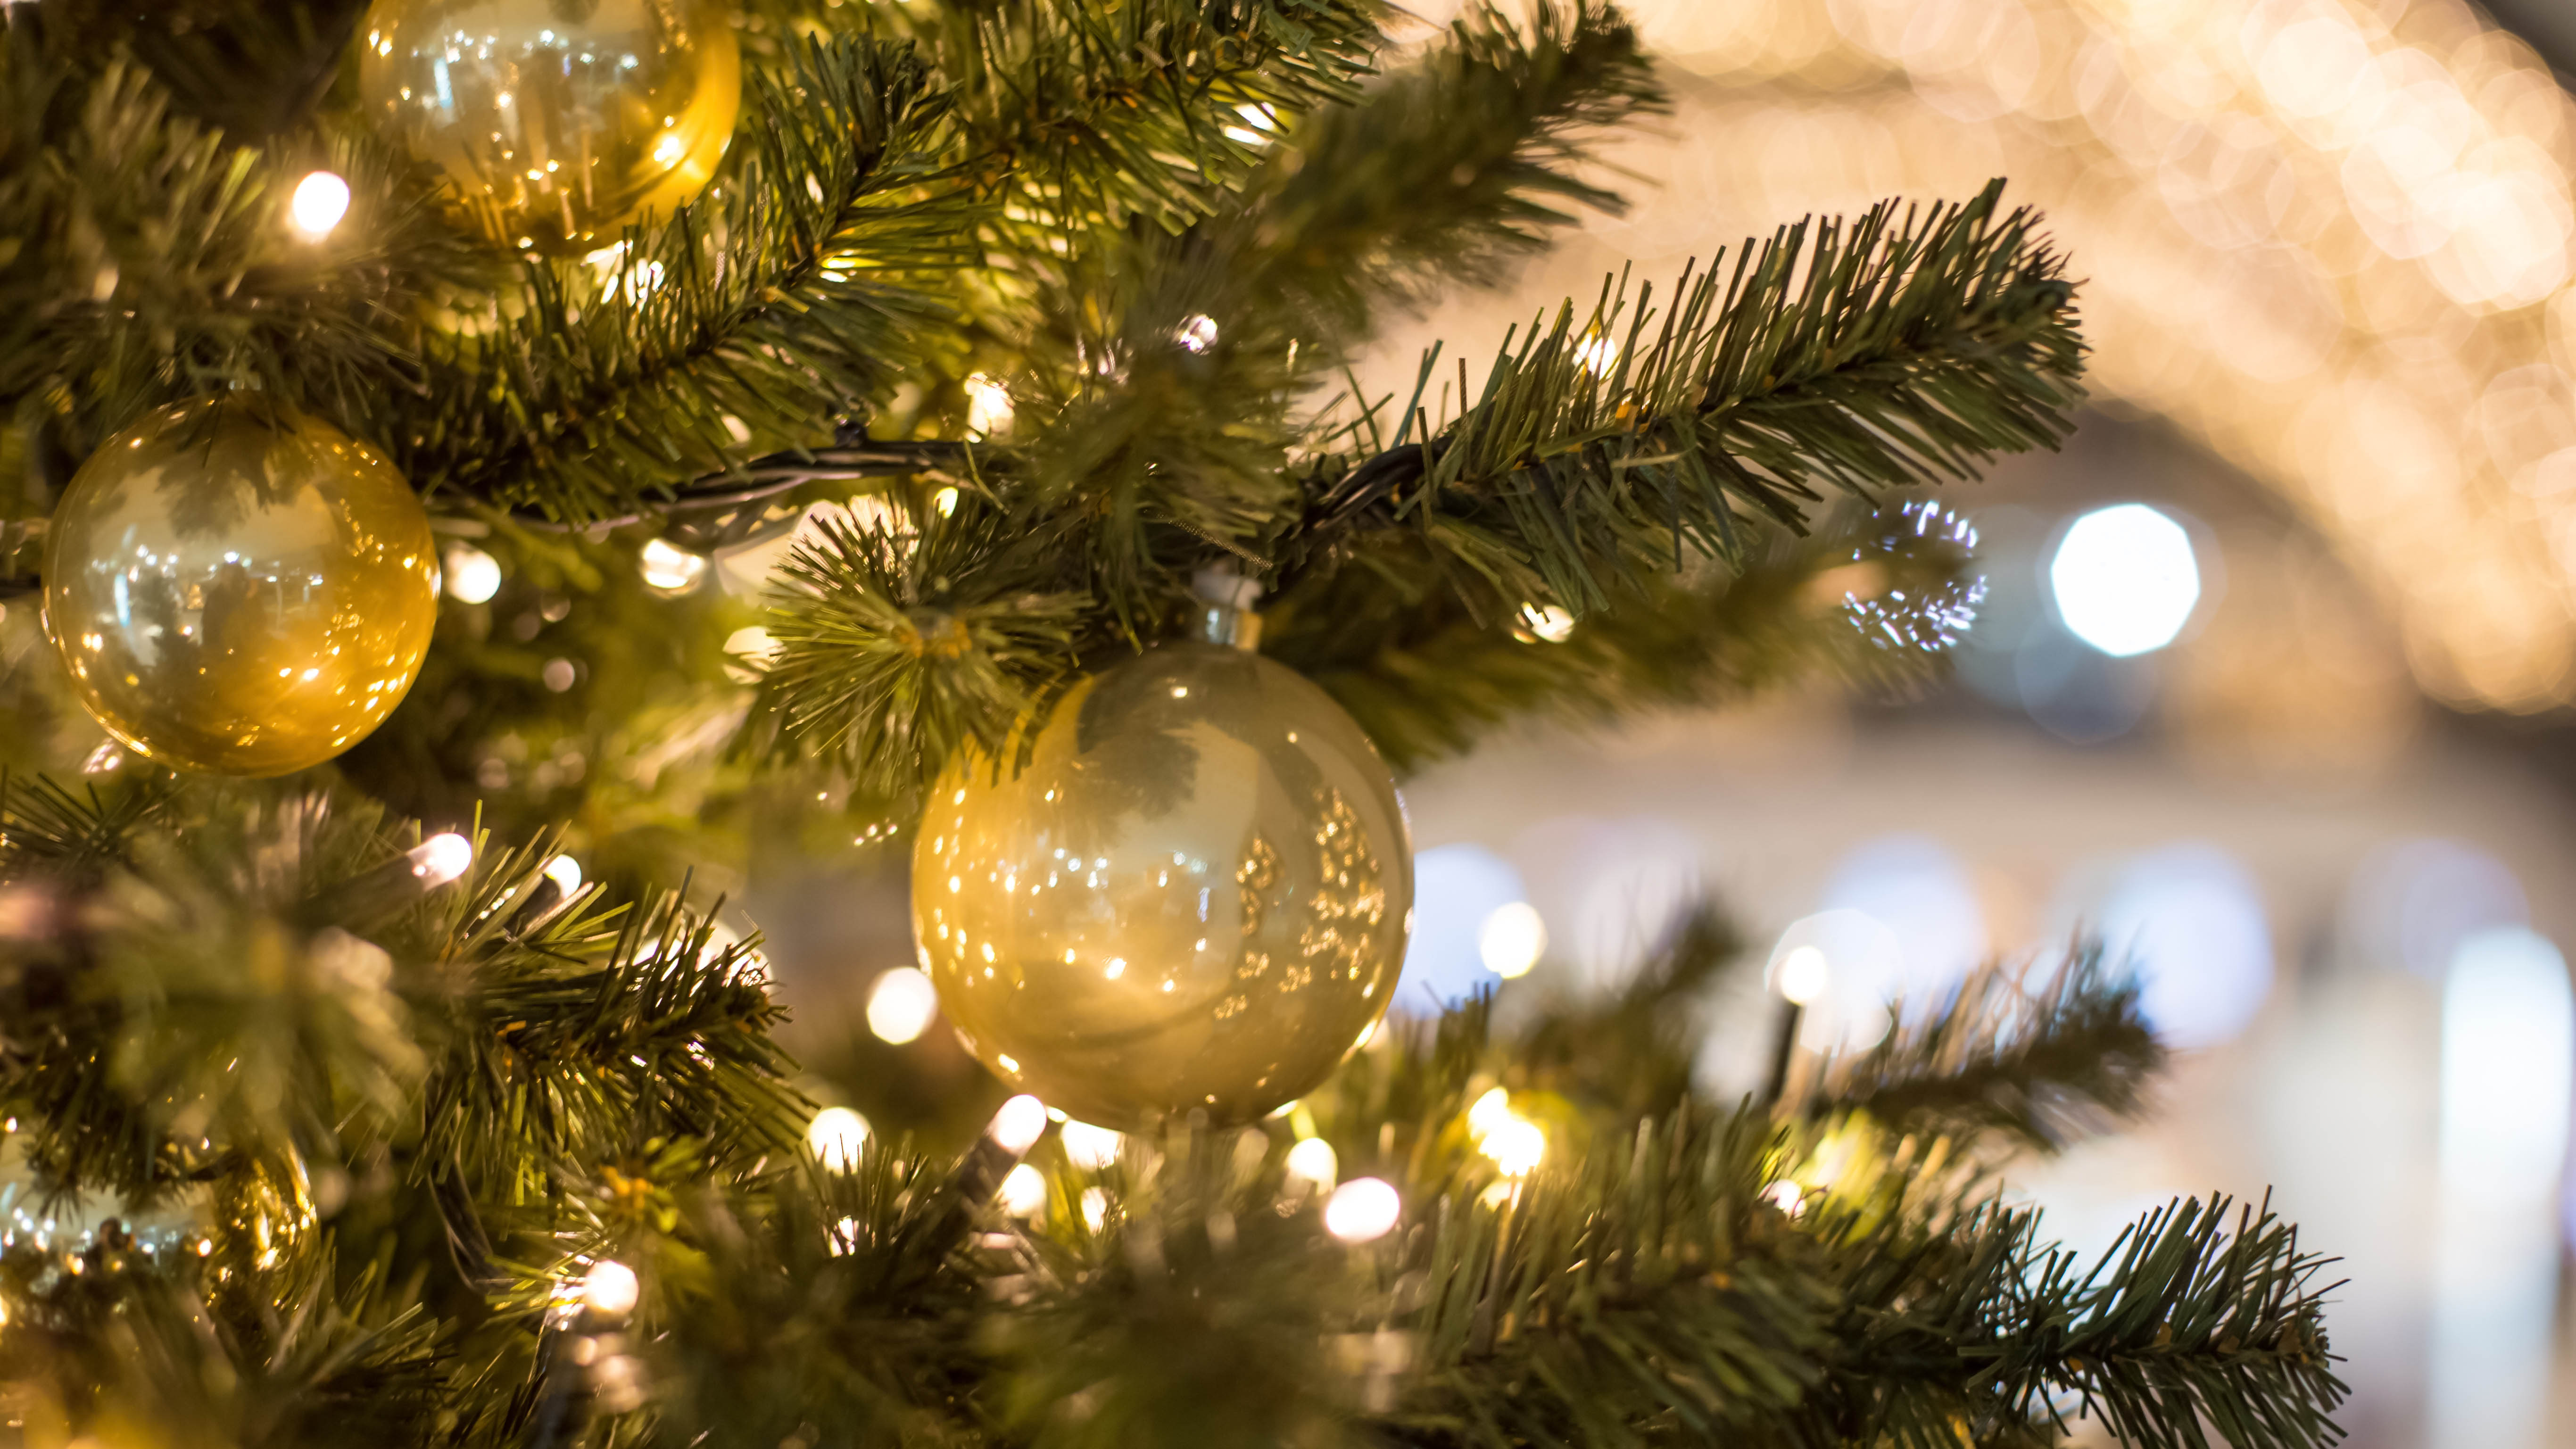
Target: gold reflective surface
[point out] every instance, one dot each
(560, 121)
(1196, 895)
(236, 598)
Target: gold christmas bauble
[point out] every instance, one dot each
(1194, 895)
(239, 595)
(560, 121)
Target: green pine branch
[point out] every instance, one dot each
(747, 322)
(1448, 167)
(1907, 348)
(2040, 1057)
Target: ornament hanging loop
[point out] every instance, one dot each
(1225, 607)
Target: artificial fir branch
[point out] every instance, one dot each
(2041, 1056)
(1905, 348)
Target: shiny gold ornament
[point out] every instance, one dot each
(1195, 895)
(236, 597)
(560, 121)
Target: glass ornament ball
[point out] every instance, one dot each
(558, 121)
(1193, 896)
(239, 594)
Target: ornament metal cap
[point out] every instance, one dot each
(1227, 597)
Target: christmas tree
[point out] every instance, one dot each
(1001, 351)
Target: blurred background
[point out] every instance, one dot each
(2270, 686)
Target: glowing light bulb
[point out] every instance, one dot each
(1512, 939)
(473, 576)
(1515, 1146)
(565, 872)
(837, 1136)
(902, 1005)
(1492, 1110)
(1313, 1161)
(1091, 1147)
(1019, 1124)
(1803, 975)
(1545, 621)
(1197, 333)
(320, 200)
(441, 858)
(1362, 1210)
(1095, 1208)
(1024, 1192)
(2124, 579)
(988, 406)
(670, 569)
(611, 1288)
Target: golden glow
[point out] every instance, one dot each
(235, 598)
(837, 1135)
(1192, 898)
(1363, 1210)
(611, 1288)
(320, 200)
(559, 125)
(1024, 1192)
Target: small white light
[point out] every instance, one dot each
(1785, 1196)
(1019, 1124)
(321, 199)
(1512, 939)
(2124, 579)
(473, 576)
(611, 1288)
(837, 1136)
(1515, 1146)
(902, 1005)
(945, 501)
(750, 649)
(1545, 621)
(565, 872)
(1597, 354)
(988, 407)
(1803, 975)
(1362, 1210)
(1024, 1192)
(670, 569)
(1197, 333)
(1091, 1147)
(441, 858)
(1095, 1207)
(1313, 1161)
(1492, 1110)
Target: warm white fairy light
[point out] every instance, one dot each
(320, 200)
(988, 406)
(565, 872)
(670, 569)
(902, 1005)
(1545, 621)
(1513, 1144)
(1511, 939)
(1019, 1124)
(1024, 1192)
(441, 858)
(472, 576)
(611, 1288)
(1090, 1147)
(1362, 1210)
(837, 1136)
(1803, 975)
(1312, 1162)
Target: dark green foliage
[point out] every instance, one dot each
(377, 1130)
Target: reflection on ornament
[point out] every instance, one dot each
(559, 123)
(236, 597)
(1194, 896)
